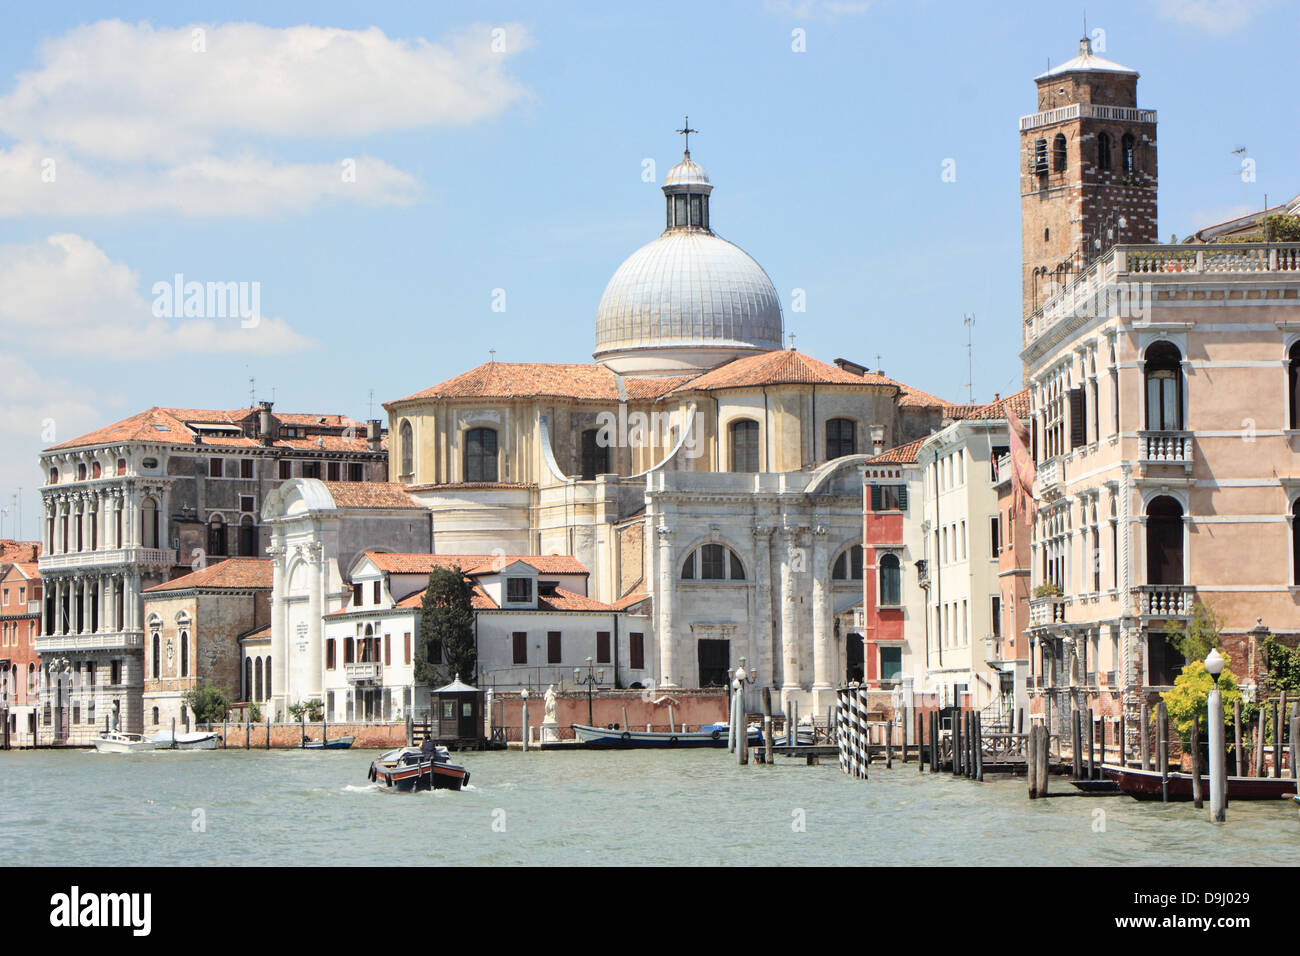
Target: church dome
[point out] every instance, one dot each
(689, 300)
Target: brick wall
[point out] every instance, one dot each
(289, 735)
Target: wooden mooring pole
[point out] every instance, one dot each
(1123, 741)
(934, 741)
(1197, 802)
(1031, 762)
(1144, 737)
(1295, 733)
(1092, 752)
(1162, 749)
(1277, 735)
(1259, 740)
(920, 742)
(979, 747)
(1076, 729)
(1236, 737)
(767, 726)
(889, 745)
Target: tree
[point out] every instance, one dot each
(1191, 695)
(1283, 667)
(1195, 639)
(446, 629)
(314, 709)
(207, 702)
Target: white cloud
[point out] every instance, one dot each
(1213, 16)
(134, 117)
(64, 295)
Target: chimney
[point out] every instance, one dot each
(264, 434)
(374, 433)
(851, 367)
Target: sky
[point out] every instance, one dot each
(401, 189)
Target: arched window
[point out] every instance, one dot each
(744, 445)
(268, 679)
(1295, 541)
(157, 655)
(185, 654)
(1293, 384)
(1040, 157)
(481, 454)
(81, 472)
(217, 536)
(405, 439)
(149, 523)
(248, 679)
(257, 677)
(54, 476)
(713, 562)
(247, 537)
(1126, 150)
(1103, 151)
(155, 716)
(96, 470)
(891, 581)
(1058, 153)
(595, 455)
(1164, 541)
(841, 438)
(848, 566)
(1164, 380)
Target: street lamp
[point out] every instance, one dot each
(591, 679)
(1218, 781)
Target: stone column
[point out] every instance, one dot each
(761, 634)
(822, 649)
(279, 623)
(794, 558)
(666, 610)
(315, 608)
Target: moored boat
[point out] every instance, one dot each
(198, 740)
(412, 768)
(119, 743)
(337, 743)
(1146, 785)
(710, 735)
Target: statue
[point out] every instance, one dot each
(550, 722)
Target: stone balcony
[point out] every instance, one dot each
(1165, 448)
(108, 558)
(365, 672)
(1046, 611)
(1164, 600)
(102, 641)
(1119, 282)
(1051, 479)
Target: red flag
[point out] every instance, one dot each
(1022, 462)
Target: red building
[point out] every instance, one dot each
(20, 625)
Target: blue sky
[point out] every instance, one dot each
(520, 168)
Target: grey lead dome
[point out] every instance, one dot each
(699, 297)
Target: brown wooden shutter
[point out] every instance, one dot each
(1078, 418)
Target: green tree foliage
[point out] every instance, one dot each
(446, 625)
(1281, 226)
(314, 709)
(255, 712)
(1191, 695)
(208, 704)
(1195, 640)
(1283, 668)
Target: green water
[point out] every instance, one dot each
(586, 807)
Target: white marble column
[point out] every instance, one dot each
(794, 557)
(822, 688)
(315, 608)
(761, 635)
(665, 609)
(279, 625)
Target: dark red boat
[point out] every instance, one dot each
(409, 768)
(1145, 785)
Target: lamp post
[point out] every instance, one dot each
(741, 678)
(1218, 781)
(591, 679)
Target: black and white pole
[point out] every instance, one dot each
(523, 696)
(1218, 777)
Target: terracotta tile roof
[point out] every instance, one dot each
(903, 454)
(561, 600)
(28, 569)
(478, 600)
(12, 551)
(914, 397)
(237, 574)
(993, 411)
(780, 367)
(473, 564)
(471, 486)
(171, 426)
(257, 633)
(499, 380)
(629, 599)
(370, 494)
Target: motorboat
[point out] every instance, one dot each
(197, 740)
(113, 742)
(337, 743)
(407, 769)
(1147, 785)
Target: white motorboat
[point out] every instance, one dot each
(199, 740)
(119, 743)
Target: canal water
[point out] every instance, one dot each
(240, 807)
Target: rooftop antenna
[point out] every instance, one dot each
(687, 131)
(252, 391)
(370, 406)
(968, 320)
(878, 366)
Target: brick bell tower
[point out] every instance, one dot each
(1087, 171)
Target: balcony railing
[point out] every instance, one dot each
(1050, 476)
(1165, 600)
(108, 557)
(1118, 281)
(117, 640)
(1122, 114)
(363, 672)
(1165, 448)
(1045, 611)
